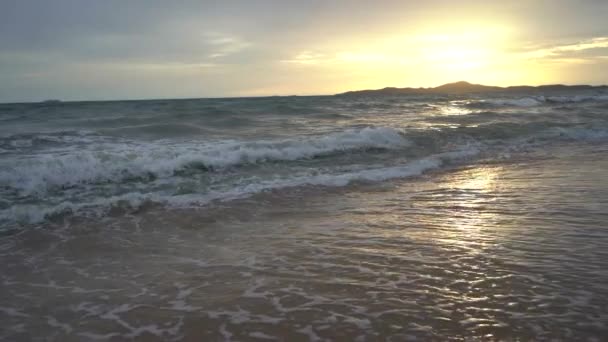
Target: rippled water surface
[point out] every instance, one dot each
(509, 250)
(314, 219)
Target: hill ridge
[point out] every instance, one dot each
(463, 87)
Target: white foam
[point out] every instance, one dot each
(262, 336)
(133, 200)
(533, 101)
(577, 98)
(38, 213)
(115, 162)
(519, 102)
(310, 333)
(53, 322)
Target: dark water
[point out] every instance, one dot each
(306, 218)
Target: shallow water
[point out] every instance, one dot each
(512, 249)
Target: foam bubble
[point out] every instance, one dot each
(519, 102)
(577, 98)
(98, 199)
(119, 161)
(99, 206)
(534, 101)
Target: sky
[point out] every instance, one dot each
(98, 50)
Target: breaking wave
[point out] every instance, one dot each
(67, 162)
(462, 145)
(534, 101)
(120, 162)
(133, 201)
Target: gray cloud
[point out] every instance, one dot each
(77, 49)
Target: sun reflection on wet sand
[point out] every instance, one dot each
(466, 211)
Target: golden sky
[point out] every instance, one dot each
(152, 49)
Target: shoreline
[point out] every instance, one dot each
(475, 251)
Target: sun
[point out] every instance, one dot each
(461, 54)
(457, 57)
(433, 53)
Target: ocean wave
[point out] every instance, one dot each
(99, 176)
(30, 214)
(534, 101)
(576, 98)
(513, 102)
(117, 162)
(20, 140)
(504, 133)
(157, 129)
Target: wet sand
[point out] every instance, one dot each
(513, 250)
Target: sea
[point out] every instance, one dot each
(306, 218)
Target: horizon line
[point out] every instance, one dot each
(52, 100)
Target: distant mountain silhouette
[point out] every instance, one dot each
(463, 87)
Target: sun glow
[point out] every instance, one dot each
(455, 52)
(455, 59)
(429, 56)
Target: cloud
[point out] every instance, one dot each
(564, 50)
(74, 49)
(222, 45)
(452, 48)
(309, 58)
